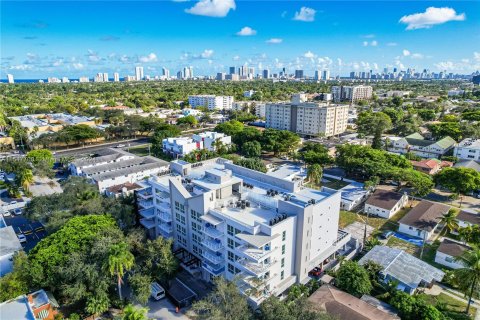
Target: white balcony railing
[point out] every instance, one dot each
(255, 268)
(255, 253)
(213, 258)
(212, 232)
(165, 227)
(145, 204)
(212, 245)
(167, 217)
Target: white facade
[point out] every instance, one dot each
(415, 232)
(260, 110)
(179, 147)
(447, 260)
(212, 102)
(116, 77)
(10, 78)
(386, 213)
(227, 217)
(307, 118)
(416, 144)
(468, 149)
(209, 138)
(351, 93)
(138, 73)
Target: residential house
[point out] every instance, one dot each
(384, 203)
(123, 190)
(472, 164)
(467, 218)
(211, 139)
(421, 147)
(468, 149)
(430, 166)
(34, 306)
(352, 195)
(397, 265)
(448, 251)
(9, 245)
(423, 219)
(342, 305)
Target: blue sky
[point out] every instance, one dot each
(76, 38)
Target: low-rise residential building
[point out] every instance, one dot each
(431, 166)
(260, 110)
(211, 139)
(181, 146)
(266, 230)
(191, 112)
(472, 164)
(211, 102)
(9, 245)
(37, 305)
(468, 149)
(421, 147)
(51, 122)
(342, 305)
(123, 190)
(448, 251)
(353, 195)
(117, 167)
(385, 203)
(466, 219)
(423, 219)
(397, 265)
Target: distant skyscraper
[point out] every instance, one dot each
(298, 74)
(83, 79)
(166, 73)
(220, 76)
(266, 74)
(105, 77)
(10, 78)
(116, 77)
(326, 75)
(65, 80)
(98, 77)
(352, 75)
(317, 75)
(190, 70)
(232, 70)
(138, 73)
(179, 75)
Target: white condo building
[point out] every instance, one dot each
(138, 73)
(307, 118)
(264, 230)
(181, 146)
(10, 78)
(212, 102)
(468, 149)
(351, 93)
(210, 138)
(116, 77)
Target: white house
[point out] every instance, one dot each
(423, 219)
(385, 204)
(352, 195)
(181, 146)
(468, 149)
(209, 138)
(448, 251)
(417, 144)
(466, 218)
(9, 244)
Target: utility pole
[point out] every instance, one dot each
(423, 243)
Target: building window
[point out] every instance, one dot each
(230, 230)
(282, 275)
(284, 235)
(231, 269)
(282, 263)
(231, 256)
(230, 243)
(283, 249)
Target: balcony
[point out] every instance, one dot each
(147, 213)
(213, 258)
(214, 245)
(165, 227)
(145, 195)
(166, 217)
(166, 234)
(212, 232)
(255, 254)
(215, 270)
(255, 268)
(145, 204)
(147, 223)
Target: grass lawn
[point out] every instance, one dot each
(447, 303)
(336, 184)
(402, 244)
(348, 217)
(139, 151)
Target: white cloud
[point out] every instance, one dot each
(274, 41)
(476, 56)
(236, 58)
(212, 8)
(151, 57)
(417, 56)
(432, 16)
(406, 52)
(392, 44)
(305, 14)
(246, 31)
(365, 43)
(372, 43)
(77, 66)
(309, 55)
(207, 53)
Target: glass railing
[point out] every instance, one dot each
(212, 232)
(212, 245)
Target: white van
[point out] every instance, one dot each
(157, 291)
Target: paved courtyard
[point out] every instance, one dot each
(357, 230)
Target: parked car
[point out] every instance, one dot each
(157, 291)
(22, 238)
(387, 234)
(7, 214)
(120, 146)
(17, 211)
(316, 272)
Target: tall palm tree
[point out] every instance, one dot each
(132, 313)
(120, 260)
(449, 220)
(25, 178)
(470, 273)
(314, 173)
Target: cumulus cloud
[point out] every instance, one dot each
(77, 66)
(305, 14)
(236, 58)
(432, 16)
(309, 55)
(212, 8)
(372, 43)
(207, 53)
(246, 31)
(417, 56)
(151, 57)
(406, 52)
(274, 41)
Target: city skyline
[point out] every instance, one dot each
(213, 35)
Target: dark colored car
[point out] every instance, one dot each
(386, 234)
(316, 272)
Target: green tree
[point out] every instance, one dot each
(444, 129)
(469, 274)
(252, 149)
(24, 178)
(300, 309)
(140, 285)
(458, 180)
(97, 304)
(224, 303)
(314, 173)
(15, 283)
(230, 128)
(134, 313)
(189, 120)
(353, 278)
(120, 260)
(251, 163)
(449, 220)
(404, 303)
(374, 123)
(41, 155)
(279, 141)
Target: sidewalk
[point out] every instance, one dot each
(437, 289)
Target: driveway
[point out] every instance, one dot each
(34, 231)
(164, 310)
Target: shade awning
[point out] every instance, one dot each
(256, 240)
(211, 219)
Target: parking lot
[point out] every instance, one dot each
(33, 231)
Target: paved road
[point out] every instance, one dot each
(94, 148)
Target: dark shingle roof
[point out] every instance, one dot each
(473, 218)
(468, 164)
(384, 199)
(452, 248)
(425, 215)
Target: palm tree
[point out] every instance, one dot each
(449, 220)
(314, 173)
(132, 313)
(369, 244)
(120, 259)
(469, 275)
(25, 178)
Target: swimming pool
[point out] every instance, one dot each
(412, 240)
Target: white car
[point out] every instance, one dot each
(157, 291)
(121, 146)
(22, 238)
(7, 214)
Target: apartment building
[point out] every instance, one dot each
(307, 118)
(263, 230)
(260, 110)
(421, 147)
(212, 102)
(468, 149)
(351, 93)
(210, 139)
(115, 167)
(181, 146)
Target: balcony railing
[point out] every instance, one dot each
(145, 204)
(214, 245)
(167, 217)
(212, 232)
(145, 195)
(255, 253)
(213, 258)
(147, 213)
(255, 268)
(215, 270)
(165, 227)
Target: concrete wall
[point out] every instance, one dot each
(447, 260)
